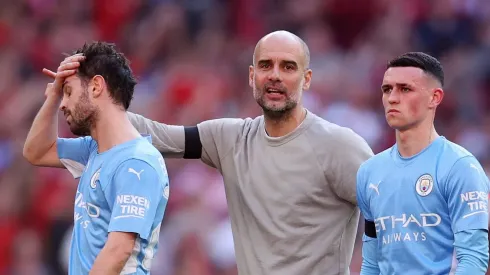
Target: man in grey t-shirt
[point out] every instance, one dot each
(289, 175)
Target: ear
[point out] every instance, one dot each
(436, 98)
(251, 76)
(98, 86)
(307, 82)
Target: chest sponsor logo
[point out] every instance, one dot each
(92, 211)
(405, 227)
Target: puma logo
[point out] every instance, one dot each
(131, 170)
(375, 187)
(475, 167)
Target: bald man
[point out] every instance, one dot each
(290, 176)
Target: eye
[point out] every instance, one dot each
(264, 65)
(289, 67)
(386, 90)
(66, 90)
(406, 89)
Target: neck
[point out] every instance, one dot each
(113, 128)
(286, 123)
(412, 141)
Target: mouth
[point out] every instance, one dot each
(275, 94)
(274, 91)
(393, 111)
(67, 117)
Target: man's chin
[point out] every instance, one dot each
(398, 126)
(274, 106)
(79, 132)
(276, 112)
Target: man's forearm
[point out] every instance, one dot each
(369, 256)
(471, 251)
(44, 130)
(110, 261)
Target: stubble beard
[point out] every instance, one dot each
(84, 116)
(276, 113)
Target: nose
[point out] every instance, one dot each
(394, 97)
(275, 74)
(63, 104)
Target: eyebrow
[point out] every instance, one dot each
(284, 62)
(263, 61)
(289, 62)
(396, 84)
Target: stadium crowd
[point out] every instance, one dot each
(191, 58)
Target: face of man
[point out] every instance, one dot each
(409, 97)
(80, 113)
(279, 74)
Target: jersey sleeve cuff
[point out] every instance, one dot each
(132, 226)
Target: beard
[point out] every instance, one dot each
(84, 116)
(276, 110)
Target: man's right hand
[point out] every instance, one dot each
(68, 67)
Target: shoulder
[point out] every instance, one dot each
(86, 142)
(458, 168)
(335, 139)
(145, 168)
(228, 123)
(374, 163)
(230, 126)
(453, 155)
(141, 152)
(92, 144)
(325, 131)
(454, 151)
(380, 158)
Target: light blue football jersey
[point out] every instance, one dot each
(418, 203)
(123, 189)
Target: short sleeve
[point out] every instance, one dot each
(217, 138)
(361, 194)
(168, 139)
(467, 189)
(135, 194)
(74, 153)
(349, 152)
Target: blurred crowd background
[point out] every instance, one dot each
(191, 58)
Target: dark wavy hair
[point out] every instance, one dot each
(102, 58)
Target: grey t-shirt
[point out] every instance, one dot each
(292, 199)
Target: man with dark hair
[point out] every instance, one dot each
(289, 175)
(424, 197)
(123, 188)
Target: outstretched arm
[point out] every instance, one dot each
(210, 140)
(172, 141)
